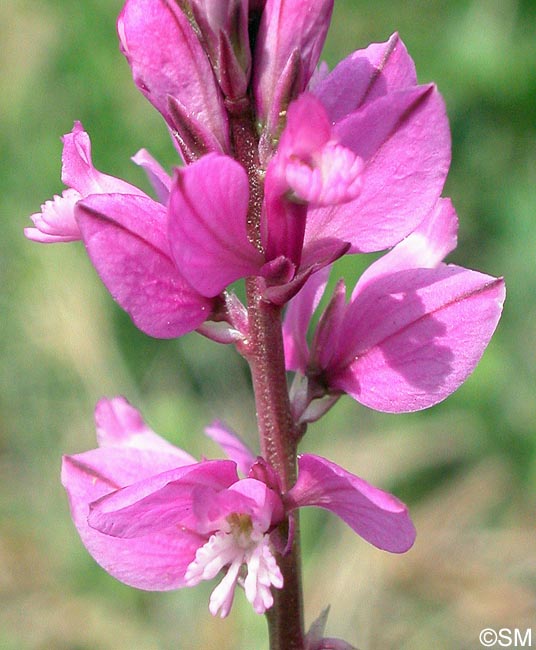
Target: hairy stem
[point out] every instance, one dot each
(264, 353)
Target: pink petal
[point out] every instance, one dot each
(56, 222)
(282, 221)
(334, 178)
(79, 173)
(307, 130)
(246, 496)
(158, 502)
(411, 338)
(404, 141)
(268, 508)
(425, 247)
(327, 337)
(126, 240)
(365, 75)
(158, 177)
(154, 562)
(168, 60)
(296, 323)
(119, 424)
(375, 515)
(207, 224)
(233, 446)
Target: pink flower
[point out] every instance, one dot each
(156, 519)
(412, 332)
(56, 222)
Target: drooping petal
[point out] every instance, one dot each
(127, 242)
(119, 424)
(233, 446)
(160, 501)
(365, 75)
(207, 224)
(404, 141)
(168, 60)
(334, 177)
(155, 562)
(375, 515)
(413, 337)
(287, 27)
(297, 317)
(263, 574)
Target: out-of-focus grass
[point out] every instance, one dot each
(467, 468)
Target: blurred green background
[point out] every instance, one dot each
(467, 468)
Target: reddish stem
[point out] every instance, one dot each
(264, 353)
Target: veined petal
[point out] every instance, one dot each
(159, 501)
(365, 75)
(413, 337)
(207, 224)
(119, 424)
(375, 515)
(404, 141)
(168, 60)
(155, 562)
(126, 240)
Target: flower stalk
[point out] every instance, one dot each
(277, 430)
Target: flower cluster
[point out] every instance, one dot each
(288, 167)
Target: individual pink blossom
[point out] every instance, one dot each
(56, 222)
(125, 234)
(412, 332)
(156, 519)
